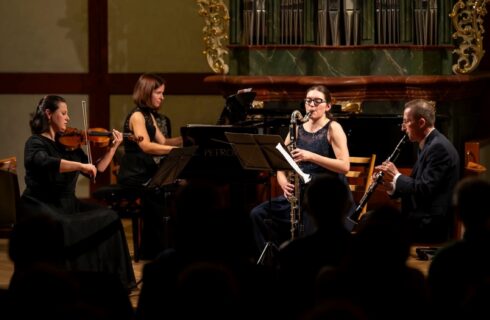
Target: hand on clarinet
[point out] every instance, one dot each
(288, 189)
(300, 155)
(389, 171)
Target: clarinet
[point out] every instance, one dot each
(297, 227)
(376, 180)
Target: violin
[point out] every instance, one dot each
(73, 138)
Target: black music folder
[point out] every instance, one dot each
(258, 151)
(172, 166)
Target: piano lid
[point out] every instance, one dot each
(236, 108)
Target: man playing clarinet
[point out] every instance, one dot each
(426, 193)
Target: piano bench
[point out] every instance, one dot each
(126, 201)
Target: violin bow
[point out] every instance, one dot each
(85, 124)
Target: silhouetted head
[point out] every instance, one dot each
(469, 199)
(382, 237)
(327, 200)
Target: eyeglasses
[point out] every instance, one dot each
(316, 101)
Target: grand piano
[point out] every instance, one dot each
(215, 160)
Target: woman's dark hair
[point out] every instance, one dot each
(322, 89)
(39, 122)
(144, 87)
(326, 93)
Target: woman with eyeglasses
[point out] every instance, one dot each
(321, 148)
(321, 151)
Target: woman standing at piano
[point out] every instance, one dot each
(94, 238)
(141, 159)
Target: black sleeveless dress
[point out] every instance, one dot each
(317, 142)
(136, 170)
(277, 211)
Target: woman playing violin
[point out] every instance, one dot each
(93, 235)
(140, 160)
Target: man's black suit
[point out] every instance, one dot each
(426, 194)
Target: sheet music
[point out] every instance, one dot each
(305, 177)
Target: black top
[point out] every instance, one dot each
(137, 167)
(42, 158)
(315, 142)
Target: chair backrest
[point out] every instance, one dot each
(9, 195)
(360, 176)
(9, 164)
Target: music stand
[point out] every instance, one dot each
(172, 166)
(167, 174)
(259, 152)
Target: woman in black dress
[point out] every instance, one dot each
(94, 238)
(141, 160)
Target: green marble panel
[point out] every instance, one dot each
(338, 63)
(341, 62)
(430, 62)
(272, 61)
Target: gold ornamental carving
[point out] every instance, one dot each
(467, 18)
(215, 33)
(351, 106)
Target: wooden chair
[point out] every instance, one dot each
(9, 195)
(360, 177)
(126, 202)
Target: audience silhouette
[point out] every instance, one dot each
(210, 272)
(42, 286)
(374, 276)
(459, 274)
(327, 202)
